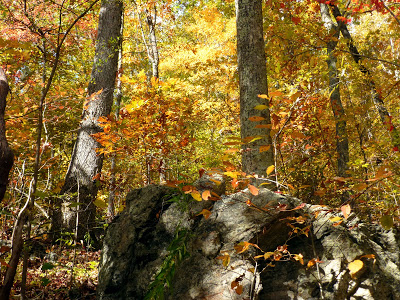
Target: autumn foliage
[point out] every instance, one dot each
(188, 119)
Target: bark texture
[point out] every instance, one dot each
(6, 154)
(342, 145)
(253, 82)
(80, 183)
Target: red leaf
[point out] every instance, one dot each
(296, 20)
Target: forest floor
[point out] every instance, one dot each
(49, 277)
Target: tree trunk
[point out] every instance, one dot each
(153, 49)
(85, 163)
(253, 82)
(6, 154)
(117, 104)
(384, 114)
(342, 145)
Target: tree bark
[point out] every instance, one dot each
(153, 49)
(117, 104)
(6, 154)
(253, 82)
(85, 163)
(384, 114)
(342, 145)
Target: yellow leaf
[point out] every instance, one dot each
(270, 169)
(253, 189)
(268, 255)
(256, 139)
(335, 219)
(232, 174)
(299, 258)
(263, 96)
(261, 107)
(354, 267)
(196, 195)
(264, 148)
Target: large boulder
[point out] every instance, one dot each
(160, 243)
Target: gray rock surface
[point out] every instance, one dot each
(137, 242)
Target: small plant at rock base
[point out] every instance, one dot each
(177, 252)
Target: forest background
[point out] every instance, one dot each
(176, 110)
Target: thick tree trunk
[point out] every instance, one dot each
(6, 154)
(384, 114)
(253, 82)
(342, 145)
(81, 185)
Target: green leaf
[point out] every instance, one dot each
(100, 204)
(387, 222)
(47, 266)
(39, 194)
(45, 281)
(261, 107)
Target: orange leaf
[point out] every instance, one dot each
(264, 126)
(346, 209)
(239, 289)
(264, 148)
(235, 183)
(244, 246)
(206, 213)
(225, 259)
(232, 150)
(253, 189)
(275, 94)
(256, 118)
(206, 194)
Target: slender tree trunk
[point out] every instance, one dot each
(85, 164)
(384, 114)
(25, 213)
(117, 103)
(342, 145)
(152, 47)
(6, 154)
(253, 82)
(154, 61)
